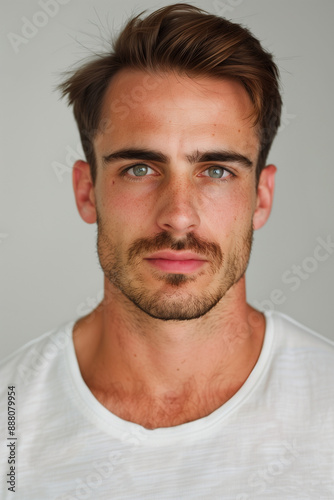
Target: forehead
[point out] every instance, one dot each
(138, 103)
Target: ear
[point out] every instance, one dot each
(84, 191)
(265, 196)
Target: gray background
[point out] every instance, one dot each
(49, 267)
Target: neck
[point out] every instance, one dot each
(179, 370)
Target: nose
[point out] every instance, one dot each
(177, 207)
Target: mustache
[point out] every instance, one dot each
(164, 241)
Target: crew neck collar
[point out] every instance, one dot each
(116, 426)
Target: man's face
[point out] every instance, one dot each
(175, 227)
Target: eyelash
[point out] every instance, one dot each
(139, 178)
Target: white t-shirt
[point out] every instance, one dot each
(273, 440)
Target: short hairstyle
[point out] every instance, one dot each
(192, 42)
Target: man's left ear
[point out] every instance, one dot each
(265, 196)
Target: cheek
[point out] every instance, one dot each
(228, 209)
(123, 209)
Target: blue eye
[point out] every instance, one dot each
(139, 170)
(217, 172)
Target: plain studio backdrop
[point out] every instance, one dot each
(49, 267)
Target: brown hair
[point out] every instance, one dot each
(188, 40)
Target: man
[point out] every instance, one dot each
(174, 387)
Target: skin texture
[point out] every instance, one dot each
(166, 346)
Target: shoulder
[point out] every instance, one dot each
(33, 360)
(299, 376)
(294, 334)
(299, 351)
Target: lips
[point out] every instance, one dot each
(176, 262)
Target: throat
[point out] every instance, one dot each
(169, 409)
(171, 383)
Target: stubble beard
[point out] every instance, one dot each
(176, 304)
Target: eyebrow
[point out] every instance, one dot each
(197, 157)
